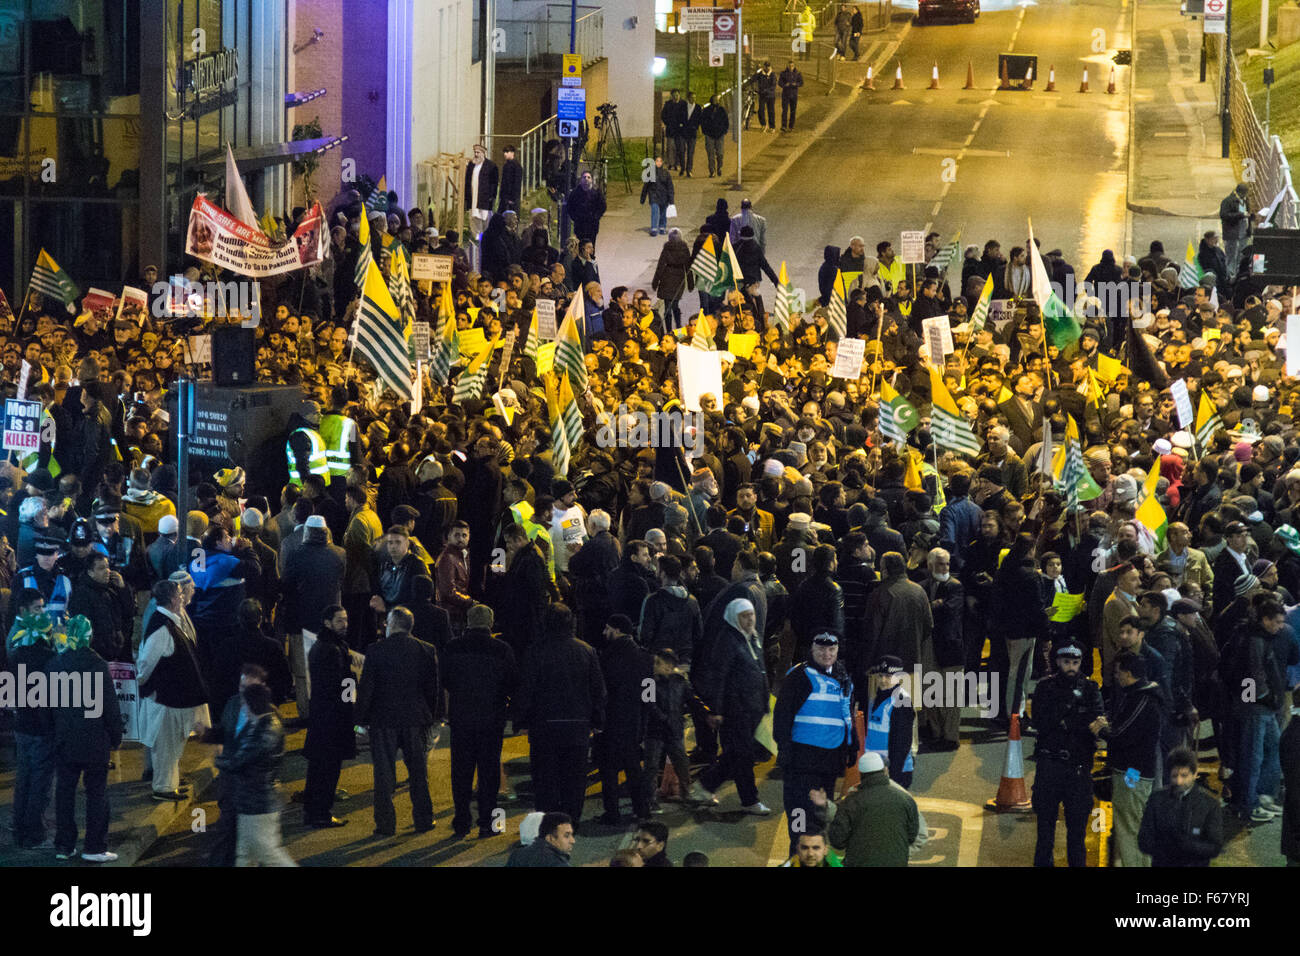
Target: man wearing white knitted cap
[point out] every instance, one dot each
(877, 823)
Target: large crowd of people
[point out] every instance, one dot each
(800, 555)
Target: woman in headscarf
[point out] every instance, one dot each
(733, 684)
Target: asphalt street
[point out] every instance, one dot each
(980, 161)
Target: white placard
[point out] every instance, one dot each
(546, 328)
(912, 246)
(433, 268)
(798, 302)
(1183, 402)
(127, 689)
(201, 349)
(937, 333)
(24, 378)
(848, 358)
(1293, 354)
(699, 373)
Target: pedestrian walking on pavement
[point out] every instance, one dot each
(251, 768)
(737, 697)
(659, 190)
(399, 700)
(790, 81)
(628, 671)
(714, 124)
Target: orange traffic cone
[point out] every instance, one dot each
(670, 787)
(1083, 87)
(852, 776)
(934, 77)
(1029, 79)
(1051, 79)
(1110, 87)
(970, 76)
(898, 77)
(870, 82)
(1005, 82)
(1011, 796)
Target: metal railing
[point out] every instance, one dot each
(530, 149)
(547, 34)
(1272, 171)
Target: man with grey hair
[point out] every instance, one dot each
(1014, 476)
(399, 700)
(597, 522)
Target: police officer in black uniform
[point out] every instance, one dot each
(1064, 705)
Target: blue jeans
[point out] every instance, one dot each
(1258, 768)
(658, 221)
(32, 782)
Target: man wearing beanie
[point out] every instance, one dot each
(144, 505)
(876, 824)
(480, 675)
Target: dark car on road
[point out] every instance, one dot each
(930, 10)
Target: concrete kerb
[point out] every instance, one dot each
(829, 120)
(138, 840)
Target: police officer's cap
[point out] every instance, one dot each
(1069, 650)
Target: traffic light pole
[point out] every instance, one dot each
(570, 142)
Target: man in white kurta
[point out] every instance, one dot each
(165, 729)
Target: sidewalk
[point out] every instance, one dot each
(136, 820)
(625, 251)
(1176, 176)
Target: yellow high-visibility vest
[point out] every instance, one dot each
(317, 462)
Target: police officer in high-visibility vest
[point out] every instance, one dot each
(814, 732)
(43, 456)
(304, 451)
(342, 441)
(45, 576)
(891, 719)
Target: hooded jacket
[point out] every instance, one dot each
(670, 617)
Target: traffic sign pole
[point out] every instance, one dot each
(740, 96)
(1227, 80)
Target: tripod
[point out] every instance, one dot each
(610, 145)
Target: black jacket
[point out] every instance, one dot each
(399, 684)
(562, 695)
(628, 585)
(714, 120)
(1134, 731)
(659, 190)
(667, 716)
(949, 620)
(250, 769)
(488, 178)
(79, 739)
(111, 612)
(329, 726)
(671, 620)
(528, 591)
(625, 668)
(480, 675)
(1182, 830)
(313, 580)
(738, 686)
(1063, 710)
(820, 603)
(512, 184)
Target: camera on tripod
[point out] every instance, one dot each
(607, 112)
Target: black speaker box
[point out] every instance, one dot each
(234, 356)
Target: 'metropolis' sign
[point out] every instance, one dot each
(212, 72)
